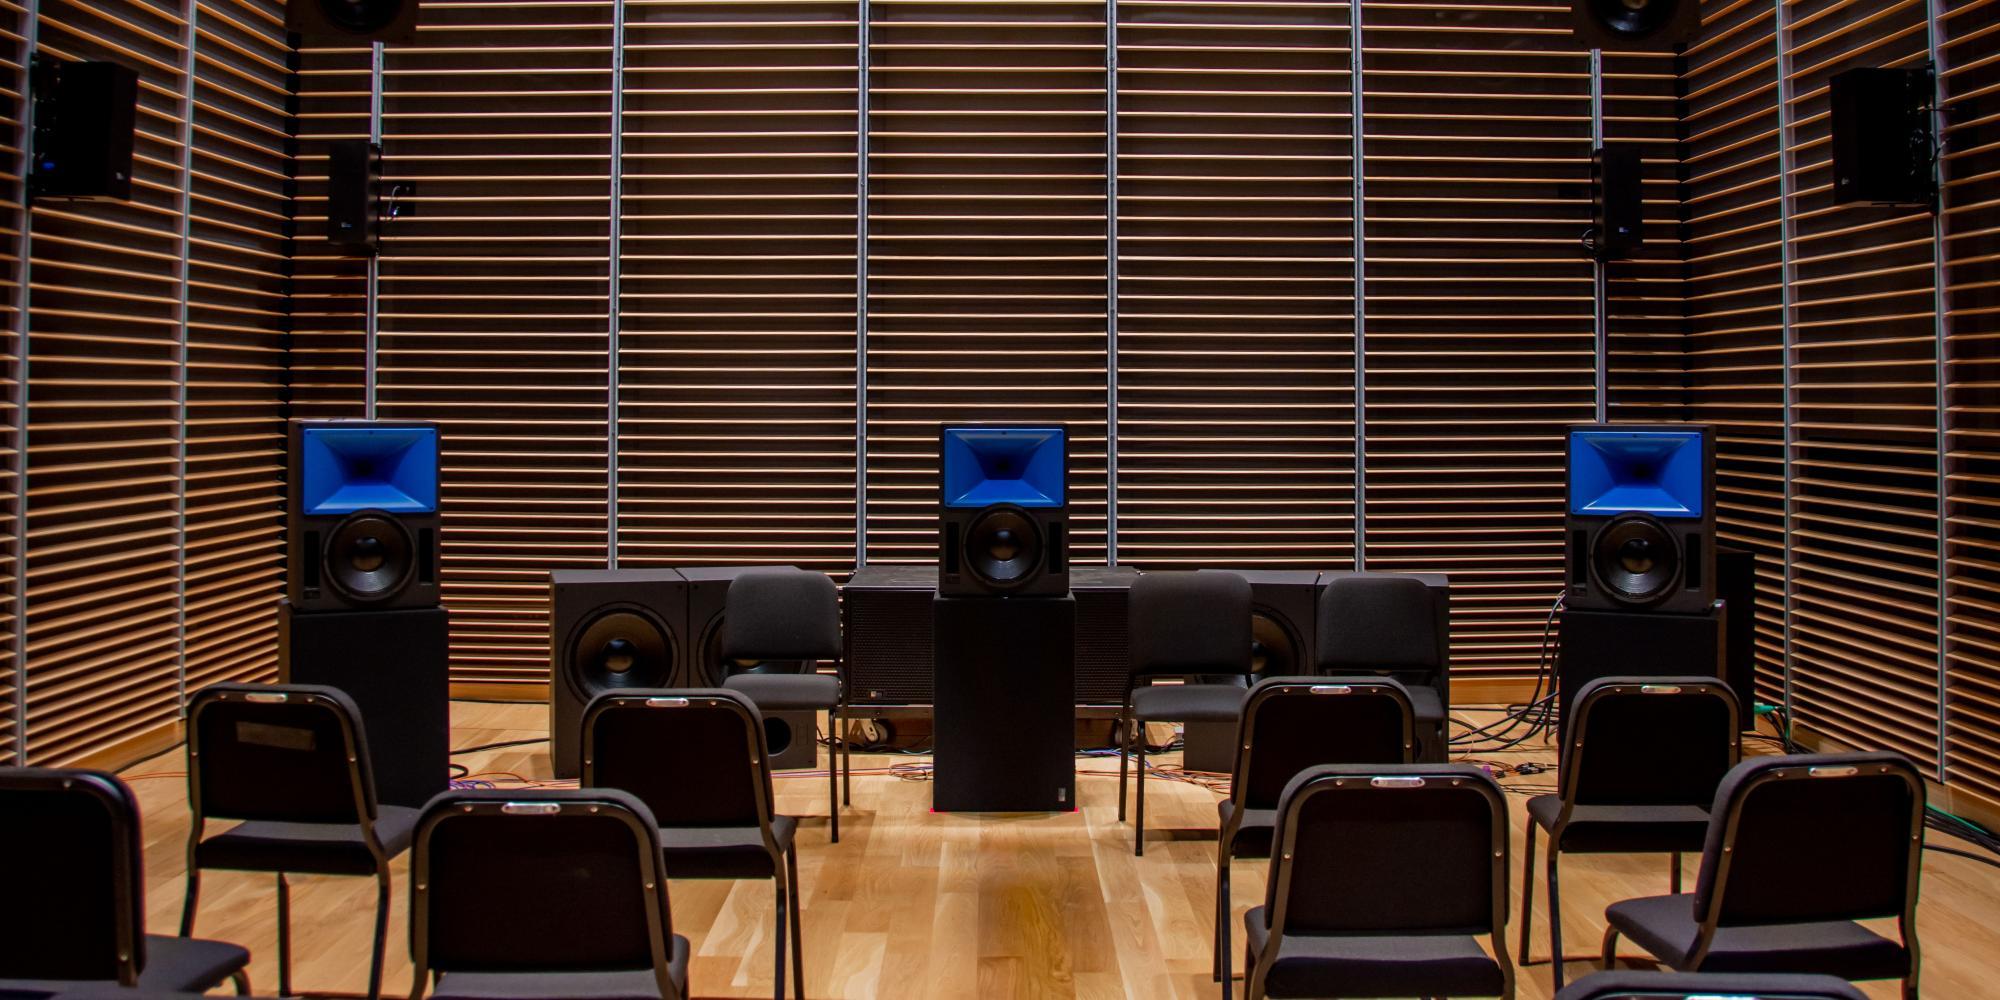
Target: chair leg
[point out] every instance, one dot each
(242, 981)
(846, 767)
(833, 775)
(188, 903)
(1222, 957)
(1139, 796)
(1124, 745)
(1528, 891)
(1253, 975)
(1677, 873)
(798, 937)
(284, 937)
(381, 933)
(778, 938)
(1555, 920)
(1609, 949)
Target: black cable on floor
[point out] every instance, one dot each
(500, 745)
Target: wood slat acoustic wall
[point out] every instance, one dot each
(13, 117)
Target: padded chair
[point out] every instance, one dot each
(1798, 849)
(1643, 761)
(778, 624)
(535, 893)
(1710, 985)
(291, 761)
(1396, 625)
(1290, 724)
(71, 870)
(697, 759)
(1383, 879)
(1186, 626)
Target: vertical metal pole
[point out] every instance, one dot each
(1599, 267)
(1782, 34)
(861, 289)
(371, 317)
(193, 13)
(1941, 318)
(1358, 121)
(23, 247)
(614, 274)
(1111, 282)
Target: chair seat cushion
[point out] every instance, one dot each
(724, 852)
(314, 848)
(787, 692)
(623, 984)
(173, 965)
(1624, 829)
(1617, 984)
(1253, 838)
(1374, 966)
(1665, 926)
(1188, 703)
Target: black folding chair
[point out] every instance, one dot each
(1798, 849)
(1290, 724)
(1643, 760)
(1396, 625)
(778, 624)
(71, 869)
(1706, 986)
(530, 894)
(1186, 626)
(697, 759)
(1383, 879)
(291, 761)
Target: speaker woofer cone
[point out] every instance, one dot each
(1003, 547)
(1636, 559)
(369, 557)
(619, 647)
(1274, 649)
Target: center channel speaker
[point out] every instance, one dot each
(620, 628)
(363, 515)
(1635, 25)
(1002, 511)
(1641, 518)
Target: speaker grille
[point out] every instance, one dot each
(1103, 644)
(889, 646)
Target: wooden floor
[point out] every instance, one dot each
(916, 904)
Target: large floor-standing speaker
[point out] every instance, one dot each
(621, 628)
(1641, 518)
(1003, 515)
(1736, 585)
(362, 513)
(1598, 644)
(1005, 722)
(392, 663)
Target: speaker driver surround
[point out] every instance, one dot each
(621, 647)
(1275, 650)
(369, 557)
(1637, 558)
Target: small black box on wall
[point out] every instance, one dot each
(84, 113)
(1884, 142)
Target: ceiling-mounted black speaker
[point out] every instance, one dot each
(339, 21)
(1635, 25)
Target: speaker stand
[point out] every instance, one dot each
(394, 664)
(1598, 644)
(1004, 676)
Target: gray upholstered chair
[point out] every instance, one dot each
(778, 625)
(1396, 625)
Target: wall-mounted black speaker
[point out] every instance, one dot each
(1617, 217)
(84, 114)
(1641, 518)
(362, 513)
(354, 196)
(621, 628)
(1003, 511)
(1884, 140)
(1635, 25)
(349, 21)
(394, 664)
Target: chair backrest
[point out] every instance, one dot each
(1632, 985)
(70, 867)
(780, 618)
(1293, 723)
(696, 757)
(1189, 623)
(1380, 623)
(280, 752)
(1389, 849)
(1813, 837)
(1650, 741)
(538, 880)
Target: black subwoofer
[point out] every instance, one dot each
(1282, 608)
(611, 629)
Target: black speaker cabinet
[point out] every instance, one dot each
(1736, 585)
(1884, 139)
(792, 740)
(1003, 511)
(1283, 603)
(84, 114)
(395, 665)
(362, 513)
(1598, 644)
(708, 592)
(1618, 222)
(620, 628)
(1005, 722)
(354, 196)
(1641, 518)
(1635, 25)
(1103, 633)
(346, 22)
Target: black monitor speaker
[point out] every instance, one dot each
(353, 196)
(84, 114)
(345, 22)
(1884, 140)
(362, 513)
(1635, 25)
(610, 629)
(1640, 518)
(1617, 218)
(1003, 511)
